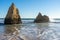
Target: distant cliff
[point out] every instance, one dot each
(40, 18)
(12, 16)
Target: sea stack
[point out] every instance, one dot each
(40, 18)
(12, 16)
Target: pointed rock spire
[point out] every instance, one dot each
(12, 3)
(39, 15)
(41, 18)
(12, 16)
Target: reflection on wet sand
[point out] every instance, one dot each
(26, 31)
(42, 27)
(33, 31)
(12, 31)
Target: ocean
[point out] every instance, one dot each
(31, 31)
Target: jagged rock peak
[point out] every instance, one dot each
(39, 14)
(12, 16)
(12, 4)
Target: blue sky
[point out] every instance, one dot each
(31, 8)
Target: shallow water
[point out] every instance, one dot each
(32, 31)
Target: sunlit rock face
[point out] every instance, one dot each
(40, 18)
(12, 16)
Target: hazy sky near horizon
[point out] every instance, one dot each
(31, 8)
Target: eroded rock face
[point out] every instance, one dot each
(12, 16)
(40, 18)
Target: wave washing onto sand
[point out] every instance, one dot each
(28, 31)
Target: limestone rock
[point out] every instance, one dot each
(12, 16)
(40, 18)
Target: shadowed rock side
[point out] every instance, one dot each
(40, 18)
(12, 16)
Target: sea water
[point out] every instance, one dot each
(32, 31)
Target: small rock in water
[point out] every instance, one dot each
(40, 18)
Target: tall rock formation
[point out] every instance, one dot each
(40, 18)
(12, 16)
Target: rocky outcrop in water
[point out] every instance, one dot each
(12, 16)
(40, 18)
